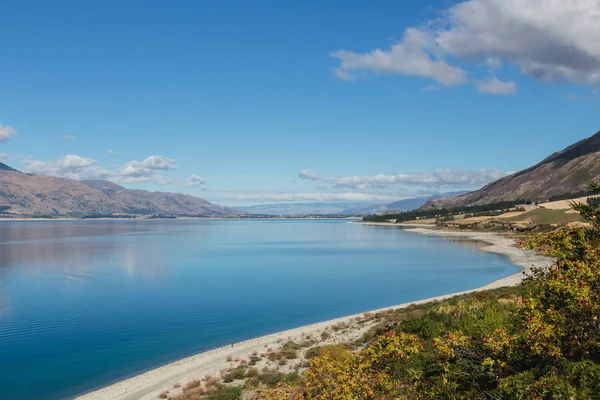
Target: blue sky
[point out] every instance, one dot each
(268, 101)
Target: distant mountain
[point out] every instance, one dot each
(565, 172)
(32, 195)
(400, 205)
(289, 209)
(367, 210)
(4, 167)
(341, 208)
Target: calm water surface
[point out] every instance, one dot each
(83, 304)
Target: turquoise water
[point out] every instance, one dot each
(83, 304)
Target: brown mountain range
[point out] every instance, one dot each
(24, 194)
(564, 173)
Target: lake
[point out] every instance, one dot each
(87, 303)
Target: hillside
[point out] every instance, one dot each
(24, 194)
(400, 205)
(145, 202)
(563, 173)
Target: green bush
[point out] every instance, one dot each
(312, 352)
(226, 393)
(237, 374)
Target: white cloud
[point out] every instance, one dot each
(6, 132)
(157, 162)
(308, 174)
(496, 86)
(68, 137)
(493, 63)
(415, 55)
(70, 166)
(548, 40)
(3, 157)
(344, 75)
(439, 178)
(80, 168)
(145, 171)
(111, 153)
(308, 197)
(194, 181)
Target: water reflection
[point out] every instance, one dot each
(75, 251)
(83, 303)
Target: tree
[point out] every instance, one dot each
(590, 211)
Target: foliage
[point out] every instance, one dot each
(226, 393)
(590, 211)
(542, 344)
(443, 213)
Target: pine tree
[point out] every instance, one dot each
(590, 211)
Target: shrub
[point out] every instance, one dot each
(254, 359)
(192, 384)
(312, 352)
(236, 374)
(226, 393)
(289, 353)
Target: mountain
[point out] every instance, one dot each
(340, 208)
(563, 173)
(289, 209)
(145, 202)
(33, 195)
(4, 167)
(400, 205)
(366, 210)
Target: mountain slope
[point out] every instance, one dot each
(565, 172)
(46, 195)
(145, 202)
(25, 194)
(400, 205)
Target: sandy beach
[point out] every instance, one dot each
(151, 384)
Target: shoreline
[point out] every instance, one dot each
(149, 385)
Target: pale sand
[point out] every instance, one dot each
(149, 385)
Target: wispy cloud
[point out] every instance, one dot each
(496, 86)
(111, 153)
(305, 197)
(6, 132)
(344, 75)
(194, 181)
(308, 174)
(440, 178)
(68, 137)
(490, 33)
(414, 55)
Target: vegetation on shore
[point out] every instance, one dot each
(503, 206)
(540, 340)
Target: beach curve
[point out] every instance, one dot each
(151, 384)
